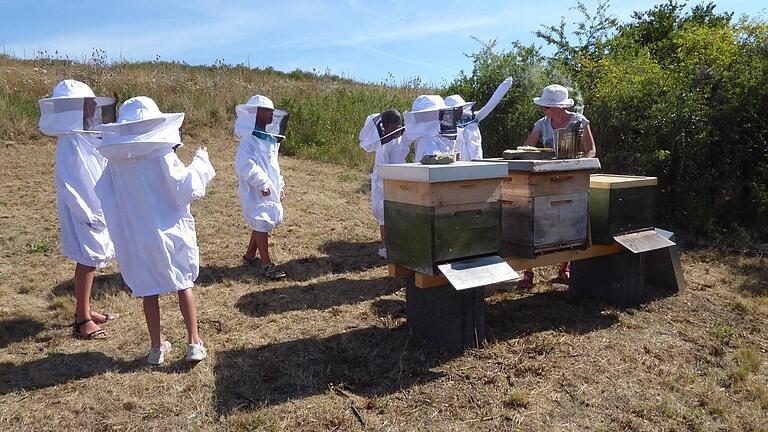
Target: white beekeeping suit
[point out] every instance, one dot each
(256, 164)
(146, 192)
(393, 151)
(72, 109)
(423, 125)
(469, 139)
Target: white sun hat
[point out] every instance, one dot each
(429, 117)
(71, 108)
(245, 124)
(457, 101)
(554, 95)
(140, 129)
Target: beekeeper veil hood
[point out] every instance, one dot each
(382, 127)
(467, 116)
(430, 116)
(74, 108)
(141, 128)
(259, 117)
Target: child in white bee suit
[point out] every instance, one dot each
(262, 190)
(382, 134)
(70, 115)
(468, 140)
(146, 192)
(423, 126)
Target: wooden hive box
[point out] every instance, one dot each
(619, 204)
(441, 213)
(545, 205)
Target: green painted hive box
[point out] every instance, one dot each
(437, 214)
(619, 204)
(420, 237)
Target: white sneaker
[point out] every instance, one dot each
(383, 252)
(157, 355)
(196, 352)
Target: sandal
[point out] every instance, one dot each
(526, 282)
(96, 334)
(107, 317)
(564, 273)
(272, 272)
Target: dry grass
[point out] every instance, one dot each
(328, 349)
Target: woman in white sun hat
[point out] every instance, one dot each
(146, 192)
(70, 115)
(553, 102)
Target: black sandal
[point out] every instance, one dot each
(96, 334)
(272, 272)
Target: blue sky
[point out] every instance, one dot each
(391, 40)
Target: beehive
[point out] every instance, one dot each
(440, 213)
(545, 205)
(620, 204)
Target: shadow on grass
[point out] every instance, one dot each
(53, 370)
(62, 368)
(756, 274)
(378, 361)
(369, 361)
(103, 285)
(18, 329)
(342, 257)
(318, 296)
(539, 312)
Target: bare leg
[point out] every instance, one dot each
(251, 252)
(152, 315)
(83, 283)
(189, 311)
(262, 243)
(382, 232)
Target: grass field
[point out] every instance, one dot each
(329, 349)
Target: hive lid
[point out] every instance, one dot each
(442, 173)
(618, 181)
(550, 165)
(477, 272)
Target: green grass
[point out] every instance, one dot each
(326, 111)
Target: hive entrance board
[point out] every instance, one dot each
(477, 272)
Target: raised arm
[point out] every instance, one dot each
(189, 183)
(497, 96)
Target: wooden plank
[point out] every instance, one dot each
(441, 194)
(592, 164)
(426, 281)
(551, 258)
(396, 271)
(560, 218)
(538, 184)
(441, 173)
(618, 181)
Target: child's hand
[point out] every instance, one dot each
(282, 196)
(203, 147)
(266, 192)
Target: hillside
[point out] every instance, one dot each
(328, 348)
